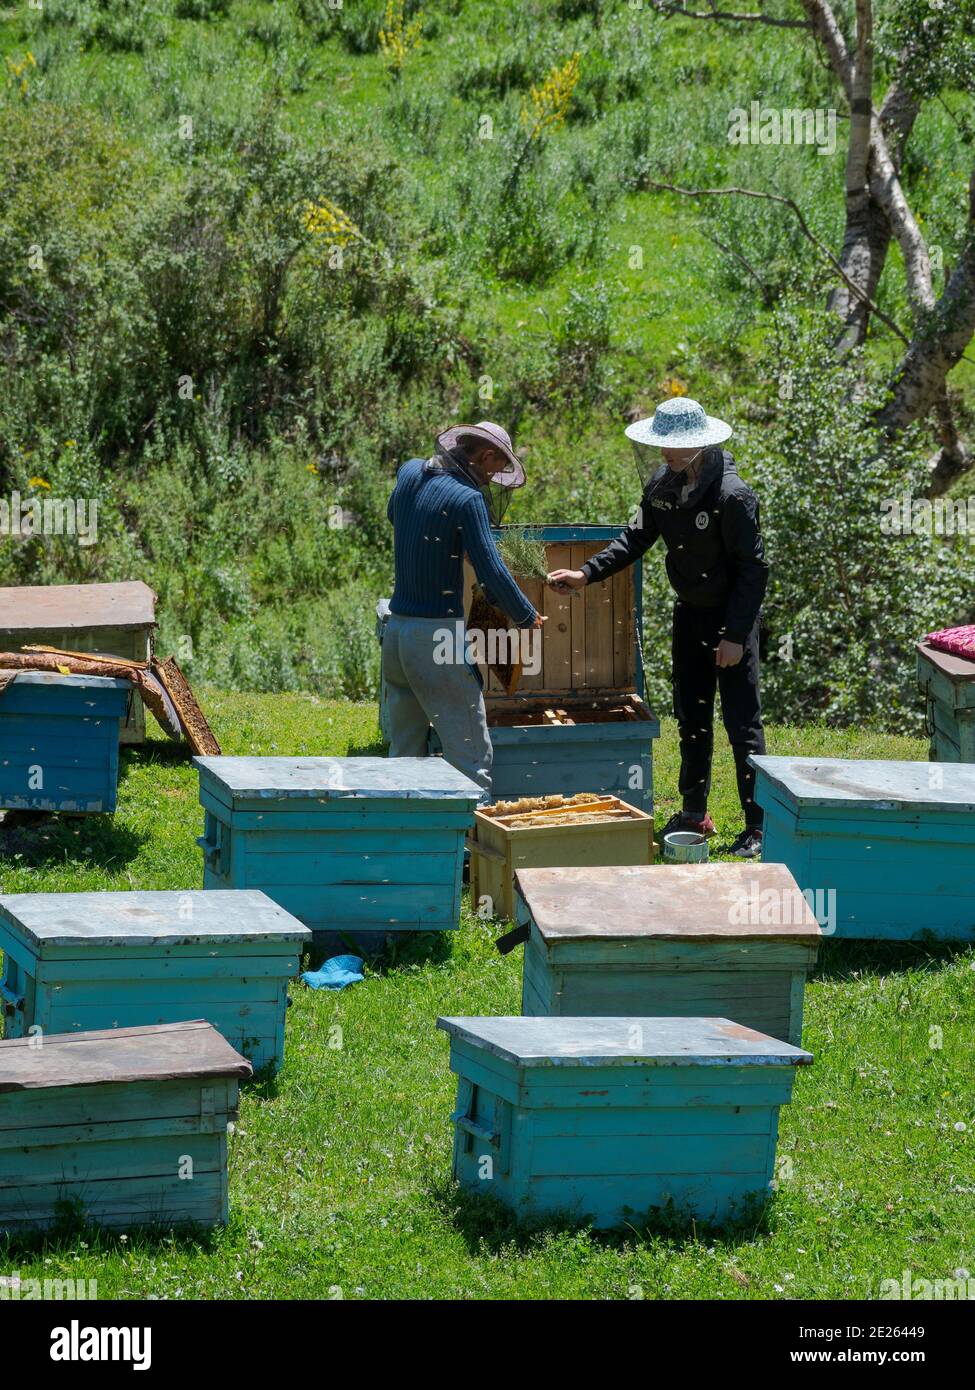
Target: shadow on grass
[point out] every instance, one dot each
(851, 960)
(263, 1085)
(158, 751)
(384, 951)
(69, 1226)
(37, 839)
(487, 1224)
(376, 749)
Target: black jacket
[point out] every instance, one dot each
(715, 557)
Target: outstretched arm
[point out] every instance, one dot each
(494, 576)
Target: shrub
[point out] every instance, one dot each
(847, 599)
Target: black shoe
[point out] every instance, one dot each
(748, 845)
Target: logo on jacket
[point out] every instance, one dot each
(701, 521)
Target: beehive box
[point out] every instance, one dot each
(671, 941)
(351, 846)
(887, 846)
(605, 1119)
(948, 685)
(580, 723)
(59, 741)
(593, 830)
(108, 619)
(128, 1128)
(81, 961)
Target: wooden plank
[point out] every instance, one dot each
(64, 607)
(557, 647)
(682, 901)
(134, 1155)
(578, 626)
(111, 1104)
(350, 870)
(600, 635)
(172, 1051)
(625, 635)
(956, 668)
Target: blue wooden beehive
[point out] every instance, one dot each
(580, 723)
(350, 846)
(126, 1128)
(887, 847)
(729, 940)
(59, 741)
(947, 683)
(600, 1119)
(81, 961)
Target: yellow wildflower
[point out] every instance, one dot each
(325, 218)
(550, 102)
(39, 482)
(397, 39)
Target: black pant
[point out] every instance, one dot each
(697, 632)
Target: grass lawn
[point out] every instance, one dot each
(340, 1169)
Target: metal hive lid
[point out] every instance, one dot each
(333, 779)
(870, 784)
(623, 1042)
(147, 918)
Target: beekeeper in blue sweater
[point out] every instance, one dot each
(441, 509)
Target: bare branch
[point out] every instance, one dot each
(804, 227)
(726, 16)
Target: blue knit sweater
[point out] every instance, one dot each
(437, 516)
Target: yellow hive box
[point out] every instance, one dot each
(551, 832)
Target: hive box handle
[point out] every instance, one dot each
(483, 1132)
(513, 938)
(12, 1003)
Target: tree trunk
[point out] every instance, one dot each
(920, 382)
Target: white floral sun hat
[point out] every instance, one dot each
(679, 423)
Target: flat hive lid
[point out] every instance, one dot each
(72, 682)
(163, 1052)
(61, 607)
(623, 1042)
(336, 779)
(148, 918)
(668, 902)
(869, 784)
(959, 668)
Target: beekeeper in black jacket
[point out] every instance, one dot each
(708, 519)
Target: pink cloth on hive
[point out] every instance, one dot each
(960, 641)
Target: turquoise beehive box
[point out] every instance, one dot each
(350, 846)
(80, 961)
(125, 1128)
(728, 940)
(947, 683)
(887, 848)
(59, 741)
(578, 722)
(608, 1119)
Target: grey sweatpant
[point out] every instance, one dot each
(420, 691)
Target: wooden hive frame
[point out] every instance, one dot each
(600, 830)
(590, 667)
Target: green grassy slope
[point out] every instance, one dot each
(340, 1170)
